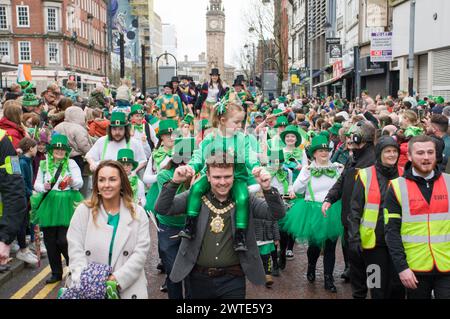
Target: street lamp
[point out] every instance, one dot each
(165, 54)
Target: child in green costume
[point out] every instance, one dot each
(126, 158)
(227, 120)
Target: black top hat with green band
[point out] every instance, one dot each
(167, 127)
(136, 109)
(59, 141)
(282, 121)
(319, 142)
(118, 119)
(126, 156)
(291, 129)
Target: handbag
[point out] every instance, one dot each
(93, 284)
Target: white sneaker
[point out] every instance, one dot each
(42, 249)
(14, 247)
(289, 254)
(27, 256)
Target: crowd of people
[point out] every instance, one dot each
(231, 180)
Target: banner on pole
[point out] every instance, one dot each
(381, 47)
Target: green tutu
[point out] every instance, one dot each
(56, 209)
(305, 222)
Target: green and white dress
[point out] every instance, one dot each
(59, 205)
(304, 220)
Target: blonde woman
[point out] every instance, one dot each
(110, 229)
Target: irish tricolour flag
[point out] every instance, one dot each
(24, 73)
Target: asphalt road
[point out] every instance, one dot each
(292, 283)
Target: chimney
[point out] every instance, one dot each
(186, 58)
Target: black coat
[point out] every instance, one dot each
(392, 229)
(204, 94)
(12, 189)
(343, 188)
(357, 207)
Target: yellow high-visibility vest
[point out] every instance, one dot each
(425, 227)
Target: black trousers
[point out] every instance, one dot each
(274, 255)
(22, 233)
(56, 243)
(286, 242)
(389, 285)
(201, 286)
(440, 284)
(267, 264)
(358, 275)
(329, 255)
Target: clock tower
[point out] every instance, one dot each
(215, 37)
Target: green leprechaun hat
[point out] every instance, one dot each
(335, 129)
(167, 127)
(126, 156)
(29, 98)
(326, 134)
(188, 119)
(439, 100)
(282, 121)
(291, 129)
(183, 149)
(137, 109)
(118, 119)
(318, 142)
(59, 141)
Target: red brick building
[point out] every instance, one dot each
(57, 37)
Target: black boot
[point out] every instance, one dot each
(240, 241)
(189, 230)
(329, 283)
(311, 273)
(282, 261)
(346, 275)
(54, 278)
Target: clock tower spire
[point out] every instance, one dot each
(215, 36)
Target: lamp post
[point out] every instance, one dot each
(165, 54)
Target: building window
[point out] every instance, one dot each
(52, 19)
(23, 16)
(24, 51)
(301, 45)
(3, 18)
(53, 52)
(4, 50)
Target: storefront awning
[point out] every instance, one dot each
(6, 67)
(333, 80)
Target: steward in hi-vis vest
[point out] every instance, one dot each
(418, 223)
(366, 220)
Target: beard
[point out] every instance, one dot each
(419, 168)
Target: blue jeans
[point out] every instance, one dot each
(168, 248)
(201, 286)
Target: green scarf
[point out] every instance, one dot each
(327, 171)
(282, 176)
(159, 155)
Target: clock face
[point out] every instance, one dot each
(213, 24)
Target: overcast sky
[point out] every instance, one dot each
(189, 18)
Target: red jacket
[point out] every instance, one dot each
(15, 131)
(403, 158)
(98, 128)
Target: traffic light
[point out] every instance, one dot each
(251, 83)
(258, 82)
(72, 77)
(78, 82)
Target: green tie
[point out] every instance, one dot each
(139, 128)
